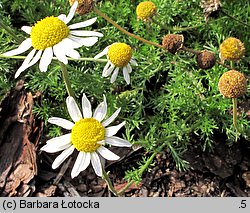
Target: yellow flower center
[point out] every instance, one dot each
(145, 10)
(48, 32)
(120, 54)
(232, 49)
(86, 133)
(232, 84)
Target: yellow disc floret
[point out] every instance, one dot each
(145, 10)
(86, 133)
(120, 54)
(232, 84)
(232, 49)
(48, 32)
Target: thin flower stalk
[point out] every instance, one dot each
(123, 30)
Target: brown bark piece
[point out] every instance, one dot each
(17, 153)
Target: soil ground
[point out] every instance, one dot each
(221, 173)
(26, 171)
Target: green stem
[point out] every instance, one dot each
(164, 142)
(70, 59)
(148, 162)
(195, 52)
(235, 114)
(65, 75)
(165, 27)
(143, 169)
(235, 19)
(123, 30)
(224, 65)
(108, 181)
(10, 32)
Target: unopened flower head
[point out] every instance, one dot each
(173, 42)
(145, 10)
(232, 49)
(119, 57)
(89, 133)
(52, 36)
(206, 59)
(232, 84)
(84, 6)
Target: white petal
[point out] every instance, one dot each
(99, 55)
(46, 59)
(83, 24)
(61, 140)
(106, 68)
(102, 142)
(71, 12)
(129, 68)
(61, 56)
(62, 17)
(115, 141)
(36, 58)
(86, 107)
(28, 58)
(52, 149)
(57, 144)
(85, 33)
(107, 154)
(133, 62)
(26, 29)
(18, 72)
(110, 131)
(24, 46)
(75, 171)
(69, 44)
(59, 160)
(104, 52)
(73, 54)
(114, 75)
(101, 110)
(111, 118)
(126, 75)
(82, 162)
(73, 109)
(84, 41)
(107, 72)
(96, 163)
(61, 122)
(26, 63)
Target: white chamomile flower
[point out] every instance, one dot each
(89, 133)
(119, 57)
(51, 36)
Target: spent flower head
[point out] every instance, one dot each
(84, 6)
(52, 36)
(119, 57)
(231, 49)
(173, 42)
(210, 7)
(89, 133)
(145, 10)
(232, 84)
(206, 59)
